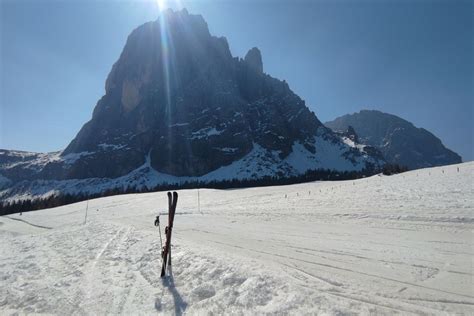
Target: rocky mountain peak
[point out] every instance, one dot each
(177, 94)
(179, 105)
(351, 134)
(253, 59)
(399, 140)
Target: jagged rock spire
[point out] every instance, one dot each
(254, 60)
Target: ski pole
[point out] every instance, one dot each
(157, 223)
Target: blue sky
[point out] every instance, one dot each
(409, 58)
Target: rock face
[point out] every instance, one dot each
(253, 59)
(351, 134)
(178, 104)
(399, 140)
(177, 94)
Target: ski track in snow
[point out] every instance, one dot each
(381, 245)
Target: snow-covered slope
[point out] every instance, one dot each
(381, 245)
(331, 153)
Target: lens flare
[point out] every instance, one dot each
(161, 4)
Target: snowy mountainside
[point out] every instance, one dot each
(332, 153)
(382, 245)
(398, 140)
(196, 112)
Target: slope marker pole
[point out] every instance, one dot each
(199, 203)
(87, 208)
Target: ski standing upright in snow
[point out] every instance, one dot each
(166, 251)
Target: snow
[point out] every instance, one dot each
(351, 143)
(206, 132)
(328, 155)
(213, 131)
(381, 245)
(331, 153)
(17, 153)
(37, 161)
(71, 158)
(261, 162)
(258, 163)
(227, 149)
(179, 124)
(105, 146)
(33, 161)
(296, 115)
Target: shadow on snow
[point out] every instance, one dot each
(179, 304)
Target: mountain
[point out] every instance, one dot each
(179, 106)
(398, 140)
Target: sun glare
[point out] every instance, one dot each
(165, 4)
(161, 4)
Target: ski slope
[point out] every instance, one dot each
(387, 245)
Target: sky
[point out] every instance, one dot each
(411, 58)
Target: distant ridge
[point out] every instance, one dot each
(398, 140)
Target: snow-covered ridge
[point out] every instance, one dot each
(29, 160)
(37, 161)
(259, 163)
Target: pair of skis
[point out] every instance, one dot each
(166, 251)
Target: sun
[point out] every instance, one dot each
(165, 4)
(161, 4)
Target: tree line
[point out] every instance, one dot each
(311, 175)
